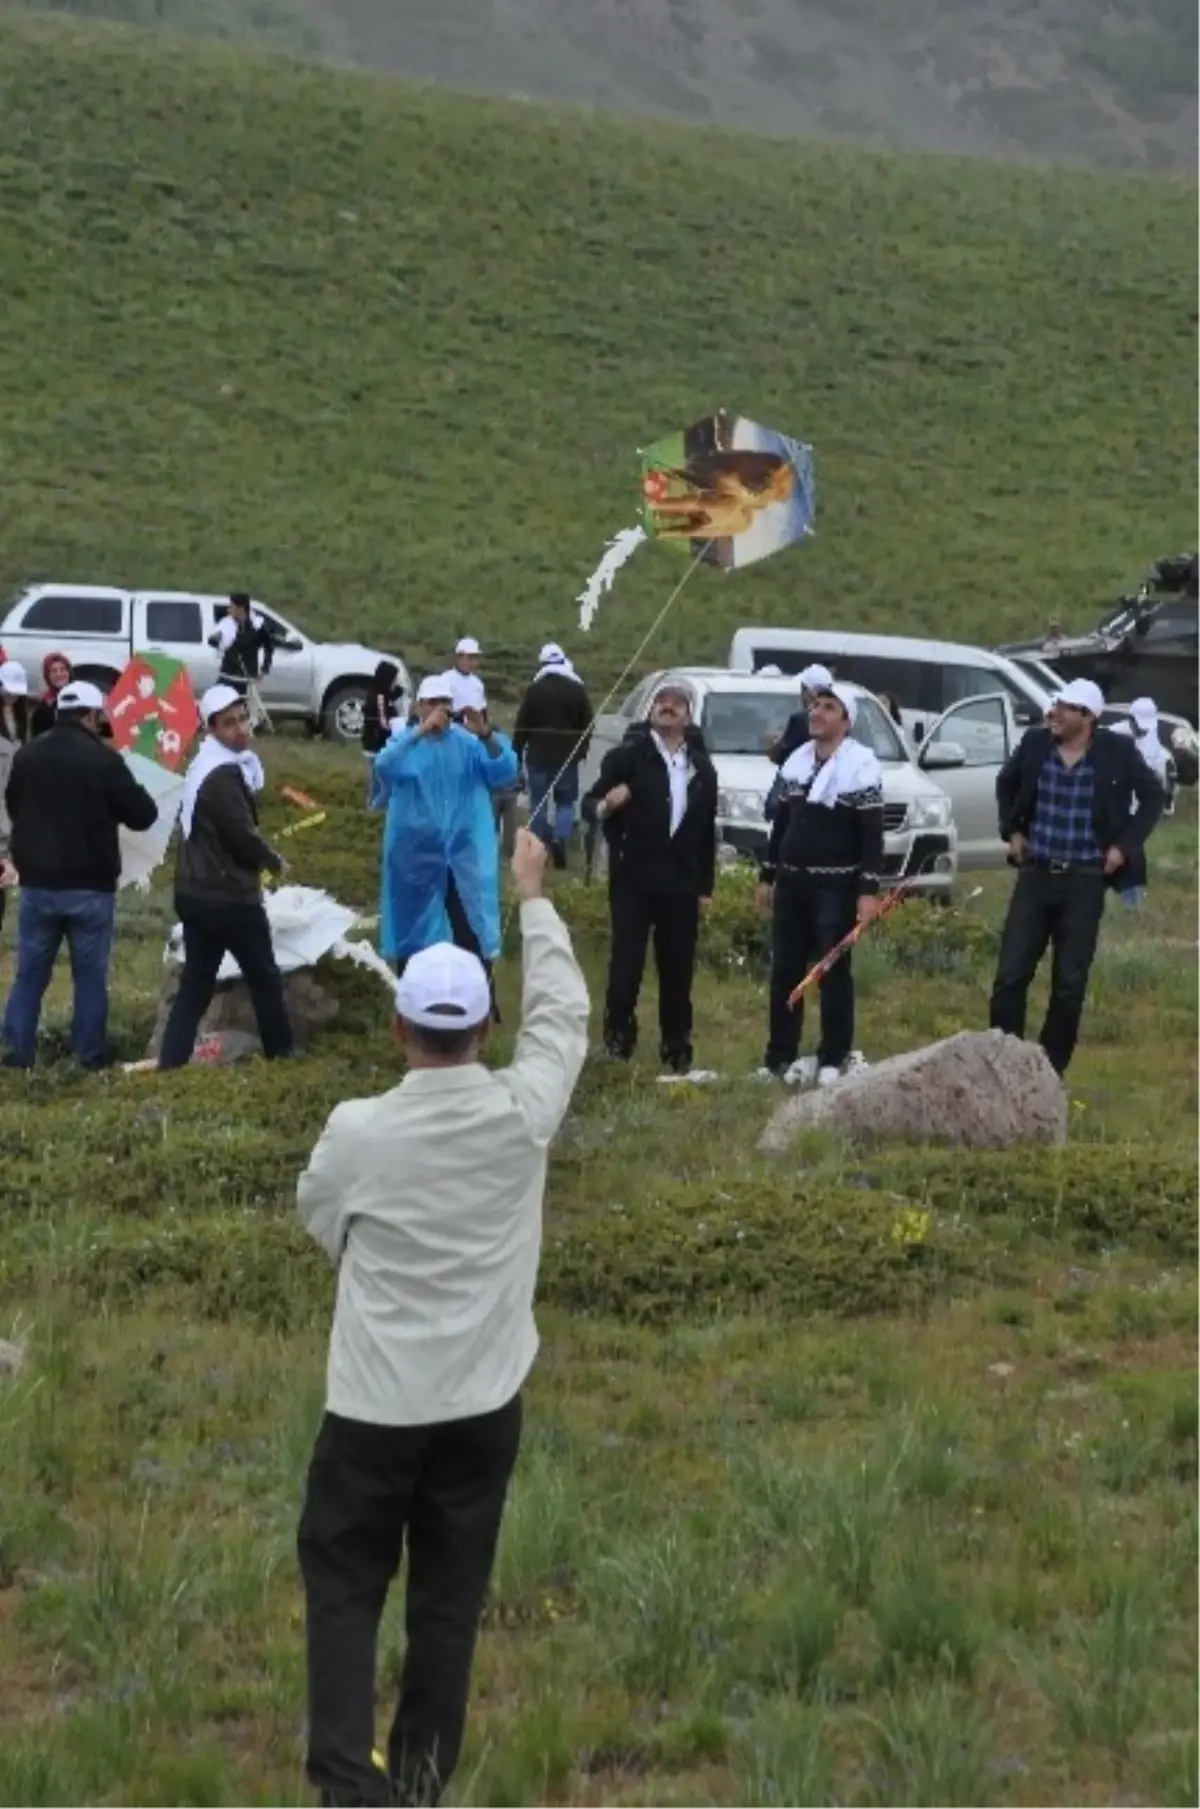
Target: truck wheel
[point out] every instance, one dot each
(344, 713)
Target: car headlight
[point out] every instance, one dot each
(741, 806)
(1185, 739)
(929, 813)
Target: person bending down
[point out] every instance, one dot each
(821, 875)
(428, 1201)
(218, 884)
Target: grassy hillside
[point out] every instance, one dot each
(385, 355)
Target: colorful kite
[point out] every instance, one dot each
(726, 488)
(154, 718)
(152, 709)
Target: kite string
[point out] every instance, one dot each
(602, 706)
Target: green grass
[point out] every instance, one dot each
(807, 1513)
(384, 355)
(864, 1477)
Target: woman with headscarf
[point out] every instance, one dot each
(56, 673)
(15, 716)
(1142, 725)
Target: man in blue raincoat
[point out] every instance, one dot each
(441, 865)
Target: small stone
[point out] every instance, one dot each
(1001, 1370)
(12, 1358)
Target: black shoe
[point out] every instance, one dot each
(558, 855)
(677, 1061)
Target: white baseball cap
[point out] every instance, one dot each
(13, 679)
(845, 696)
(218, 698)
(79, 695)
(444, 988)
(437, 688)
(816, 678)
(1082, 694)
(551, 654)
(468, 644)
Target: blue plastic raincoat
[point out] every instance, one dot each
(440, 824)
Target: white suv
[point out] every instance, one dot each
(324, 684)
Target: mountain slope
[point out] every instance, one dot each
(1105, 82)
(384, 355)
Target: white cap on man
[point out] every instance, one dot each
(1144, 710)
(816, 678)
(468, 644)
(216, 699)
(552, 655)
(14, 681)
(845, 696)
(444, 988)
(79, 695)
(437, 688)
(1082, 694)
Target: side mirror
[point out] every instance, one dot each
(291, 643)
(940, 755)
(1026, 716)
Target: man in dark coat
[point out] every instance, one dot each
(656, 798)
(1064, 795)
(551, 737)
(68, 797)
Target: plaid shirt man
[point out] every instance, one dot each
(1063, 827)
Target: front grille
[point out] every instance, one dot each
(894, 817)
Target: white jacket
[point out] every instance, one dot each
(429, 1199)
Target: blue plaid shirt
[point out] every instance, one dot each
(1063, 828)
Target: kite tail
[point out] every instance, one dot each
(619, 550)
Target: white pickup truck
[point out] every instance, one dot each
(323, 684)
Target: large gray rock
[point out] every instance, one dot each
(980, 1089)
(231, 1014)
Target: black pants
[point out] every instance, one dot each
(1064, 910)
(806, 923)
(209, 932)
(371, 1490)
(463, 936)
(674, 920)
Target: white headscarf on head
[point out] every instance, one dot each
(1142, 724)
(211, 754)
(853, 768)
(552, 659)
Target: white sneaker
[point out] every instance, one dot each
(828, 1077)
(803, 1071)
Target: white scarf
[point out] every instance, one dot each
(560, 668)
(850, 769)
(210, 756)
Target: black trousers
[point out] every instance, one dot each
(806, 922)
(209, 931)
(673, 918)
(1064, 910)
(372, 1490)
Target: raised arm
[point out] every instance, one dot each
(129, 802)
(552, 1041)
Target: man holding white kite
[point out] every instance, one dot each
(821, 875)
(218, 883)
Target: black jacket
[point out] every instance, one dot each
(1121, 775)
(382, 699)
(795, 734)
(827, 845)
(641, 849)
(68, 793)
(554, 723)
(224, 858)
(248, 654)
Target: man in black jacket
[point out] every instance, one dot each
(795, 733)
(820, 876)
(656, 798)
(1064, 795)
(246, 645)
(68, 795)
(551, 736)
(218, 884)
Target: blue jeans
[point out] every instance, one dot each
(85, 919)
(543, 783)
